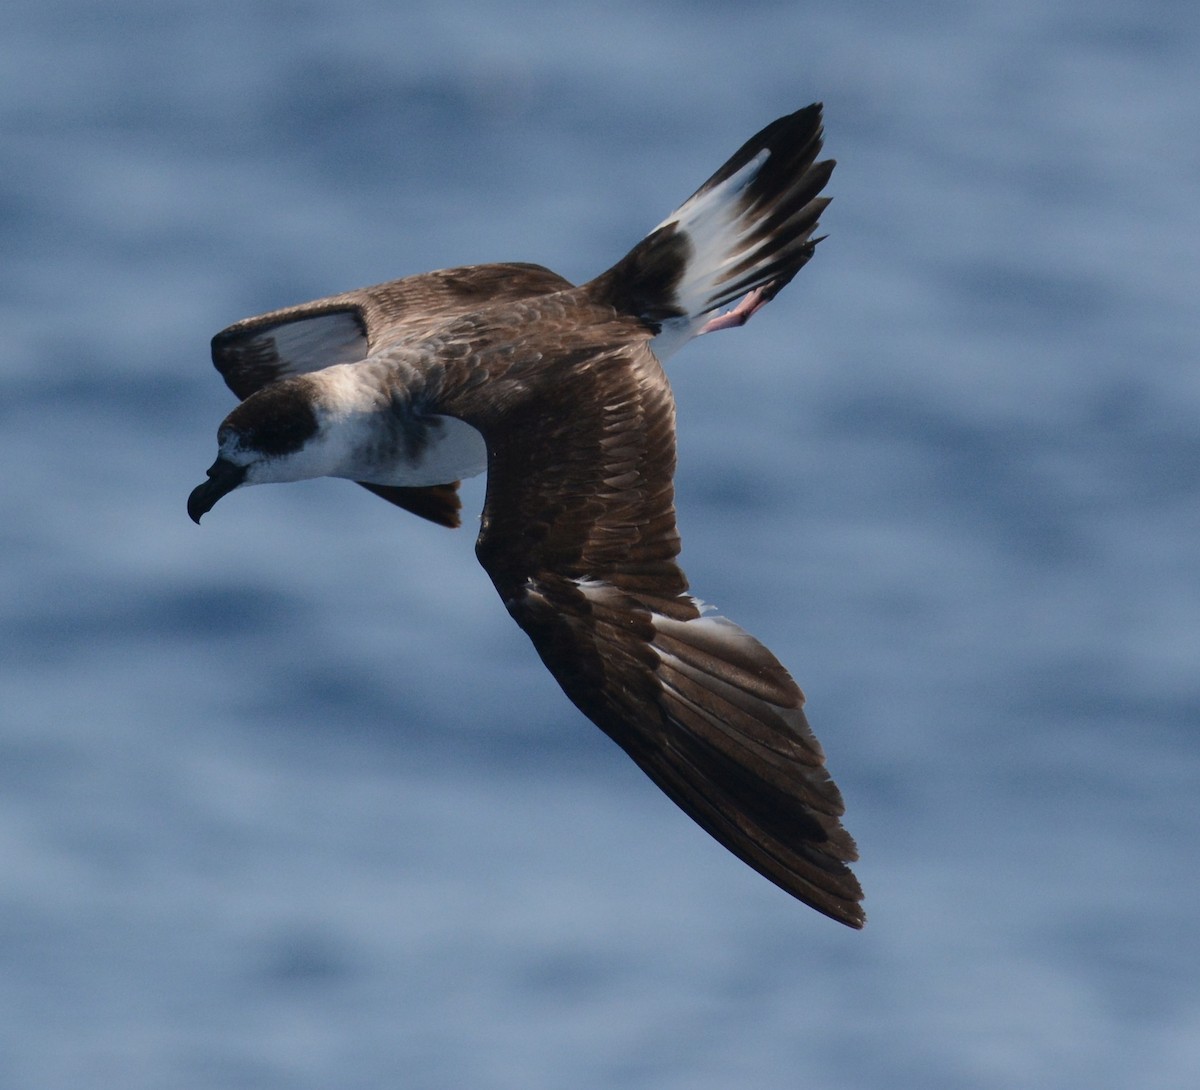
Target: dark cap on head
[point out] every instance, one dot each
(278, 419)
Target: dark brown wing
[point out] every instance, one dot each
(346, 328)
(436, 502)
(579, 538)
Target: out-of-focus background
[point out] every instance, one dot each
(288, 802)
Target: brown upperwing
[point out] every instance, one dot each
(579, 538)
(347, 328)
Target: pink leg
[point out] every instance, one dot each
(750, 305)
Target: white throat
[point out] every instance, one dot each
(368, 431)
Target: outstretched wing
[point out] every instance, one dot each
(346, 328)
(579, 538)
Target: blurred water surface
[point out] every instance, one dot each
(289, 802)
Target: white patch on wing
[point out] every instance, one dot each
(311, 344)
(599, 590)
(605, 593)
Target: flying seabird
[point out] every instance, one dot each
(558, 392)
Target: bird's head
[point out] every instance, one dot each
(276, 434)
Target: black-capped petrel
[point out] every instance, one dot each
(558, 392)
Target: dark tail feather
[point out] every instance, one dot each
(749, 226)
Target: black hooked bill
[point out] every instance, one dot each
(223, 478)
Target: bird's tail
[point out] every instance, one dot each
(747, 229)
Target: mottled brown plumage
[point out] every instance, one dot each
(248, 357)
(563, 389)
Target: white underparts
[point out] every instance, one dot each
(452, 450)
(369, 436)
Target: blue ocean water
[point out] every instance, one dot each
(287, 801)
